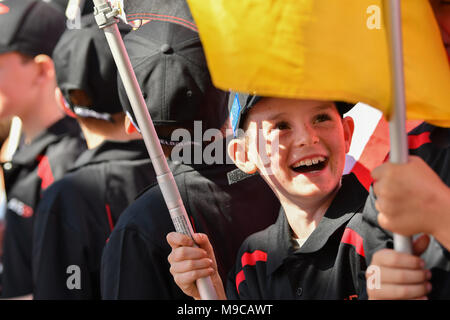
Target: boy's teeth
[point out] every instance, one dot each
(309, 162)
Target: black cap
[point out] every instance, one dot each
(172, 72)
(241, 103)
(31, 27)
(61, 5)
(83, 61)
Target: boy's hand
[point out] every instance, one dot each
(402, 276)
(187, 264)
(411, 199)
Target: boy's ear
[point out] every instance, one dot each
(46, 67)
(129, 126)
(349, 126)
(237, 150)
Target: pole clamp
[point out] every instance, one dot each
(105, 16)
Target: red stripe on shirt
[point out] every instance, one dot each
(249, 259)
(363, 175)
(44, 172)
(351, 237)
(416, 141)
(109, 215)
(239, 278)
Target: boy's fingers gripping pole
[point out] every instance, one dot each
(105, 17)
(397, 128)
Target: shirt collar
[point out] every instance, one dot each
(27, 153)
(349, 200)
(113, 151)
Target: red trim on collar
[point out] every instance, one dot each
(351, 237)
(44, 172)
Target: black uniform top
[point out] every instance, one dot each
(329, 265)
(134, 263)
(77, 214)
(33, 168)
(432, 144)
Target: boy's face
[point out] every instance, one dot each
(441, 10)
(16, 78)
(302, 146)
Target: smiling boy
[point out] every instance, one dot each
(313, 251)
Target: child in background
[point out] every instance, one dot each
(29, 32)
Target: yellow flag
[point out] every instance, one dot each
(325, 49)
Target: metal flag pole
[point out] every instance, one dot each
(397, 126)
(105, 17)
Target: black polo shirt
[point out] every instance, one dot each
(77, 214)
(33, 169)
(329, 265)
(432, 144)
(134, 263)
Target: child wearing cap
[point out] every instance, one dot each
(410, 199)
(314, 249)
(77, 214)
(29, 32)
(171, 69)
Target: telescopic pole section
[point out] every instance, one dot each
(106, 20)
(397, 127)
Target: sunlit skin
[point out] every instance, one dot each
(290, 131)
(16, 79)
(27, 90)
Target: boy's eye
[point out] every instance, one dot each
(282, 125)
(321, 118)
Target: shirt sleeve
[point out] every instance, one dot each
(375, 237)
(135, 266)
(231, 290)
(60, 262)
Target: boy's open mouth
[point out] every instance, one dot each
(310, 165)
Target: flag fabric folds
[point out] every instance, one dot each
(327, 49)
